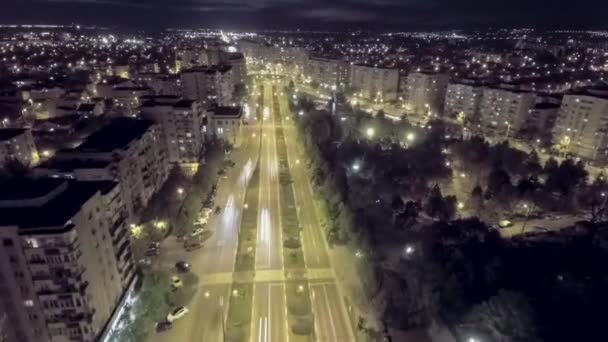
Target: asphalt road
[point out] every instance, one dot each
(269, 311)
(269, 320)
(331, 320)
(213, 263)
(269, 243)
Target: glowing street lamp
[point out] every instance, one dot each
(180, 191)
(370, 132)
(460, 205)
(410, 137)
(409, 250)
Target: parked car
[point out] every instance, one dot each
(198, 231)
(144, 262)
(177, 314)
(152, 252)
(163, 326)
(192, 245)
(182, 266)
(176, 283)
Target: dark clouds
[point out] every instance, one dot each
(312, 14)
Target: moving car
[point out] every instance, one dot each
(177, 314)
(182, 266)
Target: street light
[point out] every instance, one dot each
(409, 250)
(523, 226)
(410, 137)
(180, 191)
(356, 166)
(370, 132)
(460, 205)
(301, 113)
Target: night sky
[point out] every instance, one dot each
(311, 14)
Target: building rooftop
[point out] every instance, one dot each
(118, 134)
(185, 103)
(25, 188)
(10, 133)
(51, 216)
(68, 165)
(546, 105)
(228, 111)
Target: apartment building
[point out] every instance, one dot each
(159, 83)
(181, 121)
(425, 93)
(327, 71)
(60, 264)
(208, 85)
(463, 99)
(236, 60)
(375, 83)
(17, 144)
(503, 112)
(186, 59)
(581, 124)
(129, 151)
(226, 123)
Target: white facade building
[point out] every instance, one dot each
(463, 99)
(208, 85)
(181, 122)
(426, 93)
(581, 124)
(504, 111)
(65, 262)
(226, 123)
(128, 151)
(375, 83)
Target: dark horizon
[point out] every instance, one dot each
(374, 15)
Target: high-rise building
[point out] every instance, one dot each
(239, 68)
(426, 93)
(327, 72)
(581, 124)
(504, 111)
(129, 151)
(65, 258)
(182, 127)
(208, 85)
(375, 83)
(17, 144)
(463, 99)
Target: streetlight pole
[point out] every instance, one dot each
(523, 226)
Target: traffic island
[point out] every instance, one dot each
(245, 257)
(239, 313)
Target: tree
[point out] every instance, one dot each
(476, 199)
(497, 180)
(505, 317)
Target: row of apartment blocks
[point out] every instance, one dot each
(65, 258)
(574, 123)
